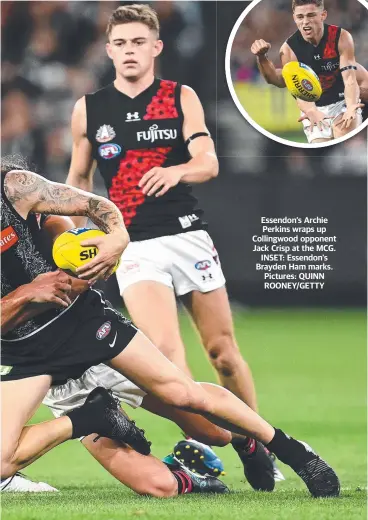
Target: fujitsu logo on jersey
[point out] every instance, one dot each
(154, 133)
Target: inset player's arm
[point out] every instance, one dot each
(31, 193)
(203, 165)
(82, 166)
(348, 69)
(266, 67)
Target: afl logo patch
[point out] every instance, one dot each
(307, 85)
(104, 330)
(109, 151)
(203, 265)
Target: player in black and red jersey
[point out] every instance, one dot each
(149, 139)
(329, 51)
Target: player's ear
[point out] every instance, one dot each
(324, 15)
(157, 48)
(108, 50)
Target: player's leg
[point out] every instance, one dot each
(20, 444)
(145, 475)
(362, 79)
(143, 364)
(341, 132)
(152, 307)
(212, 316)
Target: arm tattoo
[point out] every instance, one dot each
(33, 193)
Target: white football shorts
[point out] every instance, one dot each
(185, 262)
(331, 112)
(64, 398)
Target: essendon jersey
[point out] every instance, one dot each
(129, 137)
(324, 60)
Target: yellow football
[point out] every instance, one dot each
(67, 252)
(301, 81)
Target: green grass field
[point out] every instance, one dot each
(310, 371)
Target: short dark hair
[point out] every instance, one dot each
(141, 13)
(317, 3)
(13, 162)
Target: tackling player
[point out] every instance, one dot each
(53, 346)
(149, 139)
(329, 51)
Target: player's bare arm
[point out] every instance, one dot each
(47, 291)
(203, 165)
(31, 193)
(348, 71)
(266, 67)
(82, 166)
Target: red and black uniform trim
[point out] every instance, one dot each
(324, 60)
(146, 132)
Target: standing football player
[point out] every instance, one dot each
(329, 51)
(149, 139)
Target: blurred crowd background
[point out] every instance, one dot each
(271, 20)
(54, 52)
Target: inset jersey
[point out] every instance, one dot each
(324, 60)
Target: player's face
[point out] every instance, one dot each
(310, 19)
(133, 48)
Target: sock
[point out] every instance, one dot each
(184, 483)
(244, 444)
(83, 422)
(288, 450)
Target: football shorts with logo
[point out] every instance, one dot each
(332, 112)
(87, 333)
(64, 398)
(185, 262)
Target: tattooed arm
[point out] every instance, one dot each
(31, 193)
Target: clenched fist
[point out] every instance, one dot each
(260, 47)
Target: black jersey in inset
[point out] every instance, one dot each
(129, 137)
(324, 59)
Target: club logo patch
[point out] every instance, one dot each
(203, 265)
(8, 238)
(307, 85)
(109, 151)
(104, 330)
(105, 133)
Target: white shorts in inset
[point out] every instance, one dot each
(64, 398)
(332, 112)
(185, 262)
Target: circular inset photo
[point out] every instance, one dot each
(297, 69)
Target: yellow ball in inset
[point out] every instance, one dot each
(301, 81)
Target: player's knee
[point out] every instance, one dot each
(158, 485)
(224, 353)
(190, 397)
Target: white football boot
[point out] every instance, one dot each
(19, 483)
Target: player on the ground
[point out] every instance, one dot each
(329, 51)
(149, 139)
(49, 348)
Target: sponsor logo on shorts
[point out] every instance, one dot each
(8, 238)
(307, 85)
(203, 265)
(130, 265)
(109, 151)
(105, 133)
(5, 370)
(104, 330)
(207, 277)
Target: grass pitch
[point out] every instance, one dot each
(309, 368)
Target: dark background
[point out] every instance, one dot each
(53, 53)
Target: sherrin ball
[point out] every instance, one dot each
(301, 81)
(67, 252)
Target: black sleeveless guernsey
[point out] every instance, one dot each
(324, 60)
(131, 136)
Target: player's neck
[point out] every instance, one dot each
(134, 88)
